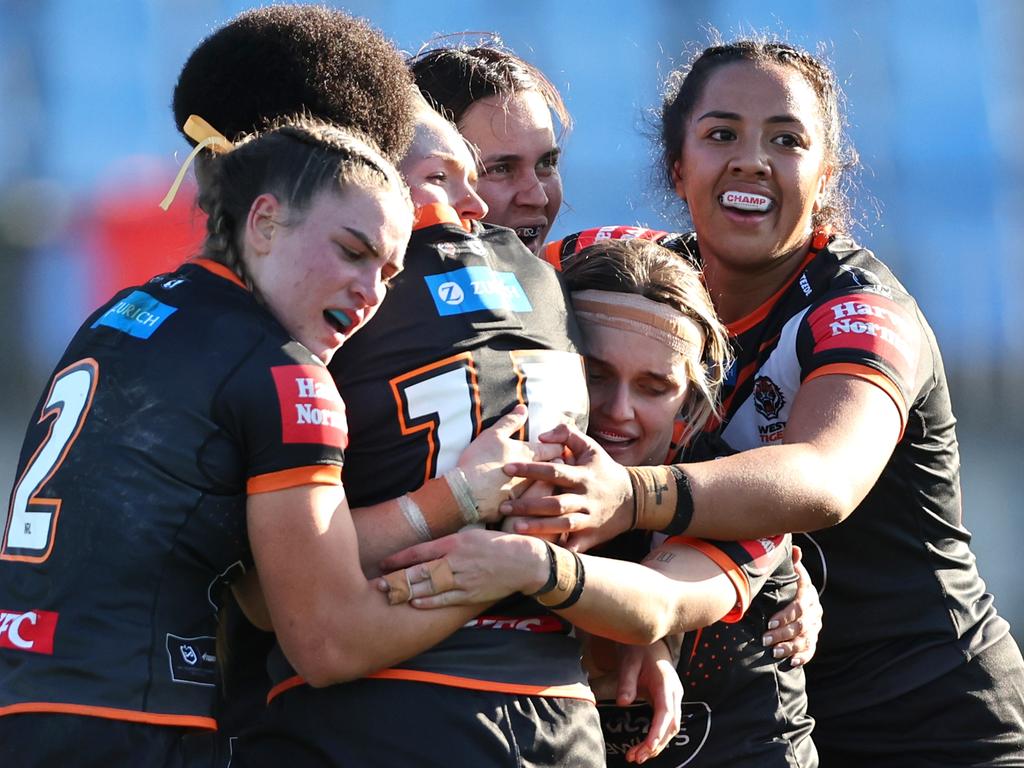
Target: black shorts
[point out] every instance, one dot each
(46, 740)
(388, 723)
(971, 716)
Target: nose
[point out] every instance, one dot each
(749, 159)
(530, 192)
(471, 205)
(617, 403)
(369, 287)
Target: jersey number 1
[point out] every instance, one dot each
(32, 521)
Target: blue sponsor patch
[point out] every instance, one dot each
(138, 315)
(473, 289)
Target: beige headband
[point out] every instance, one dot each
(636, 313)
(207, 136)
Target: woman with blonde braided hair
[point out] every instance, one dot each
(191, 430)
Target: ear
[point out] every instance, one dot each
(677, 179)
(264, 213)
(823, 184)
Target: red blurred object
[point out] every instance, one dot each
(135, 239)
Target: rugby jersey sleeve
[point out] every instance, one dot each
(871, 332)
(748, 564)
(286, 407)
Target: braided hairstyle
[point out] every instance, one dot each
(685, 86)
(287, 59)
(453, 79)
(294, 160)
(647, 269)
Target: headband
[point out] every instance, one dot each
(206, 136)
(636, 313)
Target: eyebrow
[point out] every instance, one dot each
(364, 240)
(720, 115)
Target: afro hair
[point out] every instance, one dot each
(289, 59)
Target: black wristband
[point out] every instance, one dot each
(577, 590)
(552, 572)
(684, 503)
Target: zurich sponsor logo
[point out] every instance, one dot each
(474, 289)
(138, 315)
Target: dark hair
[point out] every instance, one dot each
(293, 160)
(288, 59)
(647, 269)
(685, 86)
(453, 79)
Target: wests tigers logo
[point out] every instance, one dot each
(768, 398)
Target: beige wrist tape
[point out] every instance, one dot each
(463, 495)
(662, 499)
(568, 580)
(438, 507)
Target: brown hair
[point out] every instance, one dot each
(293, 160)
(647, 269)
(685, 86)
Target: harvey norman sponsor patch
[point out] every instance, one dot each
(138, 314)
(473, 289)
(871, 323)
(312, 411)
(31, 631)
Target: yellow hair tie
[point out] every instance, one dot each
(207, 136)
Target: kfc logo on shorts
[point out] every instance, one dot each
(28, 631)
(312, 411)
(768, 398)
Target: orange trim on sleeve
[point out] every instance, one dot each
(871, 376)
(110, 713)
(552, 254)
(438, 213)
(220, 270)
(736, 574)
(321, 474)
(574, 691)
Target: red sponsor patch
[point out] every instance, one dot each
(31, 631)
(762, 551)
(545, 623)
(590, 236)
(312, 411)
(871, 323)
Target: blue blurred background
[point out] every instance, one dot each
(936, 96)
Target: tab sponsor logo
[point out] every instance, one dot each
(28, 630)
(138, 315)
(474, 289)
(312, 411)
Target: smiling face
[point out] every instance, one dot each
(439, 168)
(515, 138)
(322, 271)
(637, 387)
(752, 168)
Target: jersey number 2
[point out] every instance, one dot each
(31, 521)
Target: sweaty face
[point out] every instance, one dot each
(637, 387)
(753, 167)
(322, 272)
(439, 168)
(520, 182)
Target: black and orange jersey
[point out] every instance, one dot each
(740, 706)
(903, 556)
(474, 325)
(172, 403)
